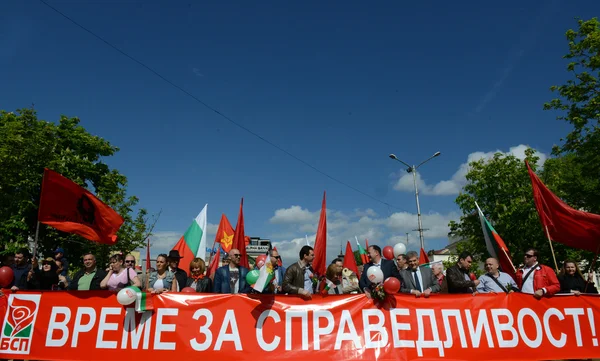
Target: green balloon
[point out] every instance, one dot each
(252, 277)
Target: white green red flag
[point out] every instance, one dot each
(193, 242)
(495, 245)
(266, 274)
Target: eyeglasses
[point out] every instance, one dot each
(529, 255)
(277, 257)
(236, 255)
(129, 261)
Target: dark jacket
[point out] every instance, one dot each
(389, 270)
(203, 285)
(20, 276)
(222, 280)
(181, 277)
(457, 283)
(293, 280)
(94, 283)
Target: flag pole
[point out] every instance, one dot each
(509, 260)
(35, 241)
(552, 249)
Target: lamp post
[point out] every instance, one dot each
(413, 169)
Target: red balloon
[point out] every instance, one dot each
(388, 252)
(260, 261)
(391, 285)
(188, 290)
(473, 277)
(6, 276)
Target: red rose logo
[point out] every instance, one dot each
(21, 314)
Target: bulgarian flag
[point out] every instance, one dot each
(143, 301)
(266, 274)
(193, 242)
(495, 245)
(364, 257)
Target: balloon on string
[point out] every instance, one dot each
(6, 276)
(399, 249)
(127, 295)
(375, 274)
(388, 252)
(391, 285)
(188, 290)
(252, 276)
(260, 261)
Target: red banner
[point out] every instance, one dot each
(93, 326)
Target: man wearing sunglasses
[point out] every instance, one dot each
(536, 279)
(279, 272)
(231, 278)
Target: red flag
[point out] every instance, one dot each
(349, 260)
(320, 264)
(214, 264)
(367, 244)
(225, 234)
(148, 264)
(279, 261)
(71, 208)
(565, 225)
(239, 241)
(423, 259)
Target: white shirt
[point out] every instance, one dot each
(417, 274)
(527, 286)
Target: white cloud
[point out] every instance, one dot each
(453, 185)
(364, 224)
(293, 215)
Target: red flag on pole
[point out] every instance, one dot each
(349, 260)
(224, 234)
(68, 207)
(214, 264)
(239, 241)
(320, 263)
(148, 264)
(423, 258)
(565, 225)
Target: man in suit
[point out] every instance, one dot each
(388, 267)
(418, 280)
(231, 278)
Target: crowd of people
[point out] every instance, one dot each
(299, 278)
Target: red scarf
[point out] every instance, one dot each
(196, 278)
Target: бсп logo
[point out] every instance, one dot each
(19, 322)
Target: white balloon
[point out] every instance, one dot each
(126, 296)
(399, 248)
(375, 274)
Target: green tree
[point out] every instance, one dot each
(27, 146)
(502, 188)
(578, 103)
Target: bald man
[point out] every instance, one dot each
(494, 280)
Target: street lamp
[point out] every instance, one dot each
(413, 169)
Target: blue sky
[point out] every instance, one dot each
(338, 84)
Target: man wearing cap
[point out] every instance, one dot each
(180, 275)
(59, 255)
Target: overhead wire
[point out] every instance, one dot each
(211, 108)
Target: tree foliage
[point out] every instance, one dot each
(578, 103)
(502, 188)
(27, 146)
